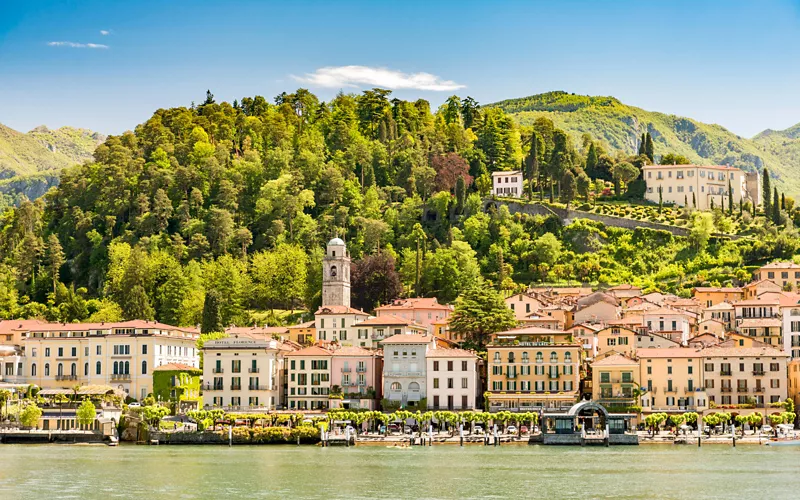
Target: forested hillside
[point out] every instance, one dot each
(619, 128)
(30, 163)
(217, 212)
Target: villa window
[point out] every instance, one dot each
(98, 367)
(497, 357)
(554, 357)
(33, 370)
(539, 357)
(395, 387)
(567, 357)
(47, 369)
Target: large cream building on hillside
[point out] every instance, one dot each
(697, 185)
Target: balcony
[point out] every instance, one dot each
(258, 387)
(68, 377)
(621, 401)
(361, 369)
(741, 389)
(726, 389)
(121, 376)
(218, 370)
(511, 375)
(553, 374)
(671, 390)
(254, 370)
(725, 373)
(236, 387)
(758, 389)
(758, 372)
(346, 369)
(209, 388)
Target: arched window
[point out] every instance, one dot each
(554, 357)
(47, 369)
(510, 357)
(413, 387)
(567, 357)
(86, 369)
(539, 357)
(525, 356)
(98, 368)
(116, 368)
(395, 387)
(73, 370)
(496, 357)
(33, 370)
(333, 271)
(127, 368)
(144, 367)
(60, 370)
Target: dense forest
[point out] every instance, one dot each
(222, 210)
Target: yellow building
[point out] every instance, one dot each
(121, 355)
(529, 370)
(744, 375)
(673, 378)
(710, 295)
(615, 380)
(700, 186)
(616, 339)
(304, 333)
(793, 388)
(784, 274)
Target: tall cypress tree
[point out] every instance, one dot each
(641, 144)
(591, 161)
(776, 208)
(649, 149)
(766, 192)
(783, 201)
(532, 161)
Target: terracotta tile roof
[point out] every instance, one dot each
(413, 338)
(708, 289)
(313, 350)
(594, 328)
(669, 352)
(355, 351)
(175, 367)
(625, 286)
(716, 167)
(615, 360)
(136, 323)
(755, 302)
(722, 306)
(450, 353)
(531, 330)
(256, 330)
(628, 320)
(9, 326)
(781, 265)
(756, 283)
(307, 324)
(415, 303)
(339, 310)
(743, 352)
(760, 323)
(664, 311)
(386, 320)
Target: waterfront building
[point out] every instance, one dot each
(357, 374)
(700, 185)
(121, 355)
(507, 183)
(404, 369)
(745, 375)
(793, 382)
(334, 323)
(673, 378)
(420, 310)
(452, 379)
(710, 296)
(783, 274)
(615, 380)
(242, 373)
(309, 378)
(532, 369)
(179, 384)
(12, 349)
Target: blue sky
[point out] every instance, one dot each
(727, 62)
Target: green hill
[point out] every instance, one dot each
(620, 126)
(30, 163)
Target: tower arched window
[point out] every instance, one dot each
(333, 271)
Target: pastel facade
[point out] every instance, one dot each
(121, 355)
(700, 184)
(665, 319)
(335, 324)
(453, 381)
(523, 305)
(784, 274)
(615, 379)
(405, 369)
(422, 311)
(358, 373)
(673, 378)
(745, 375)
(507, 183)
(242, 373)
(370, 332)
(616, 339)
(309, 378)
(711, 296)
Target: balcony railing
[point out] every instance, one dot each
(361, 369)
(758, 389)
(236, 387)
(66, 377)
(726, 389)
(741, 389)
(553, 374)
(254, 370)
(758, 372)
(670, 390)
(511, 375)
(346, 369)
(725, 373)
(258, 387)
(218, 370)
(121, 376)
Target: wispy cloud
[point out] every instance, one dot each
(105, 32)
(356, 76)
(75, 45)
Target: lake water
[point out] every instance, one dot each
(445, 471)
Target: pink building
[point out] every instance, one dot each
(358, 372)
(424, 311)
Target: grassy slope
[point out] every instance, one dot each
(619, 127)
(44, 150)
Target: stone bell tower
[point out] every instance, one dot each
(336, 275)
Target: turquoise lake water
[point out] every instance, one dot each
(164, 472)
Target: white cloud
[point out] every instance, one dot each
(78, 45)
(355, 76)
(105, 32)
